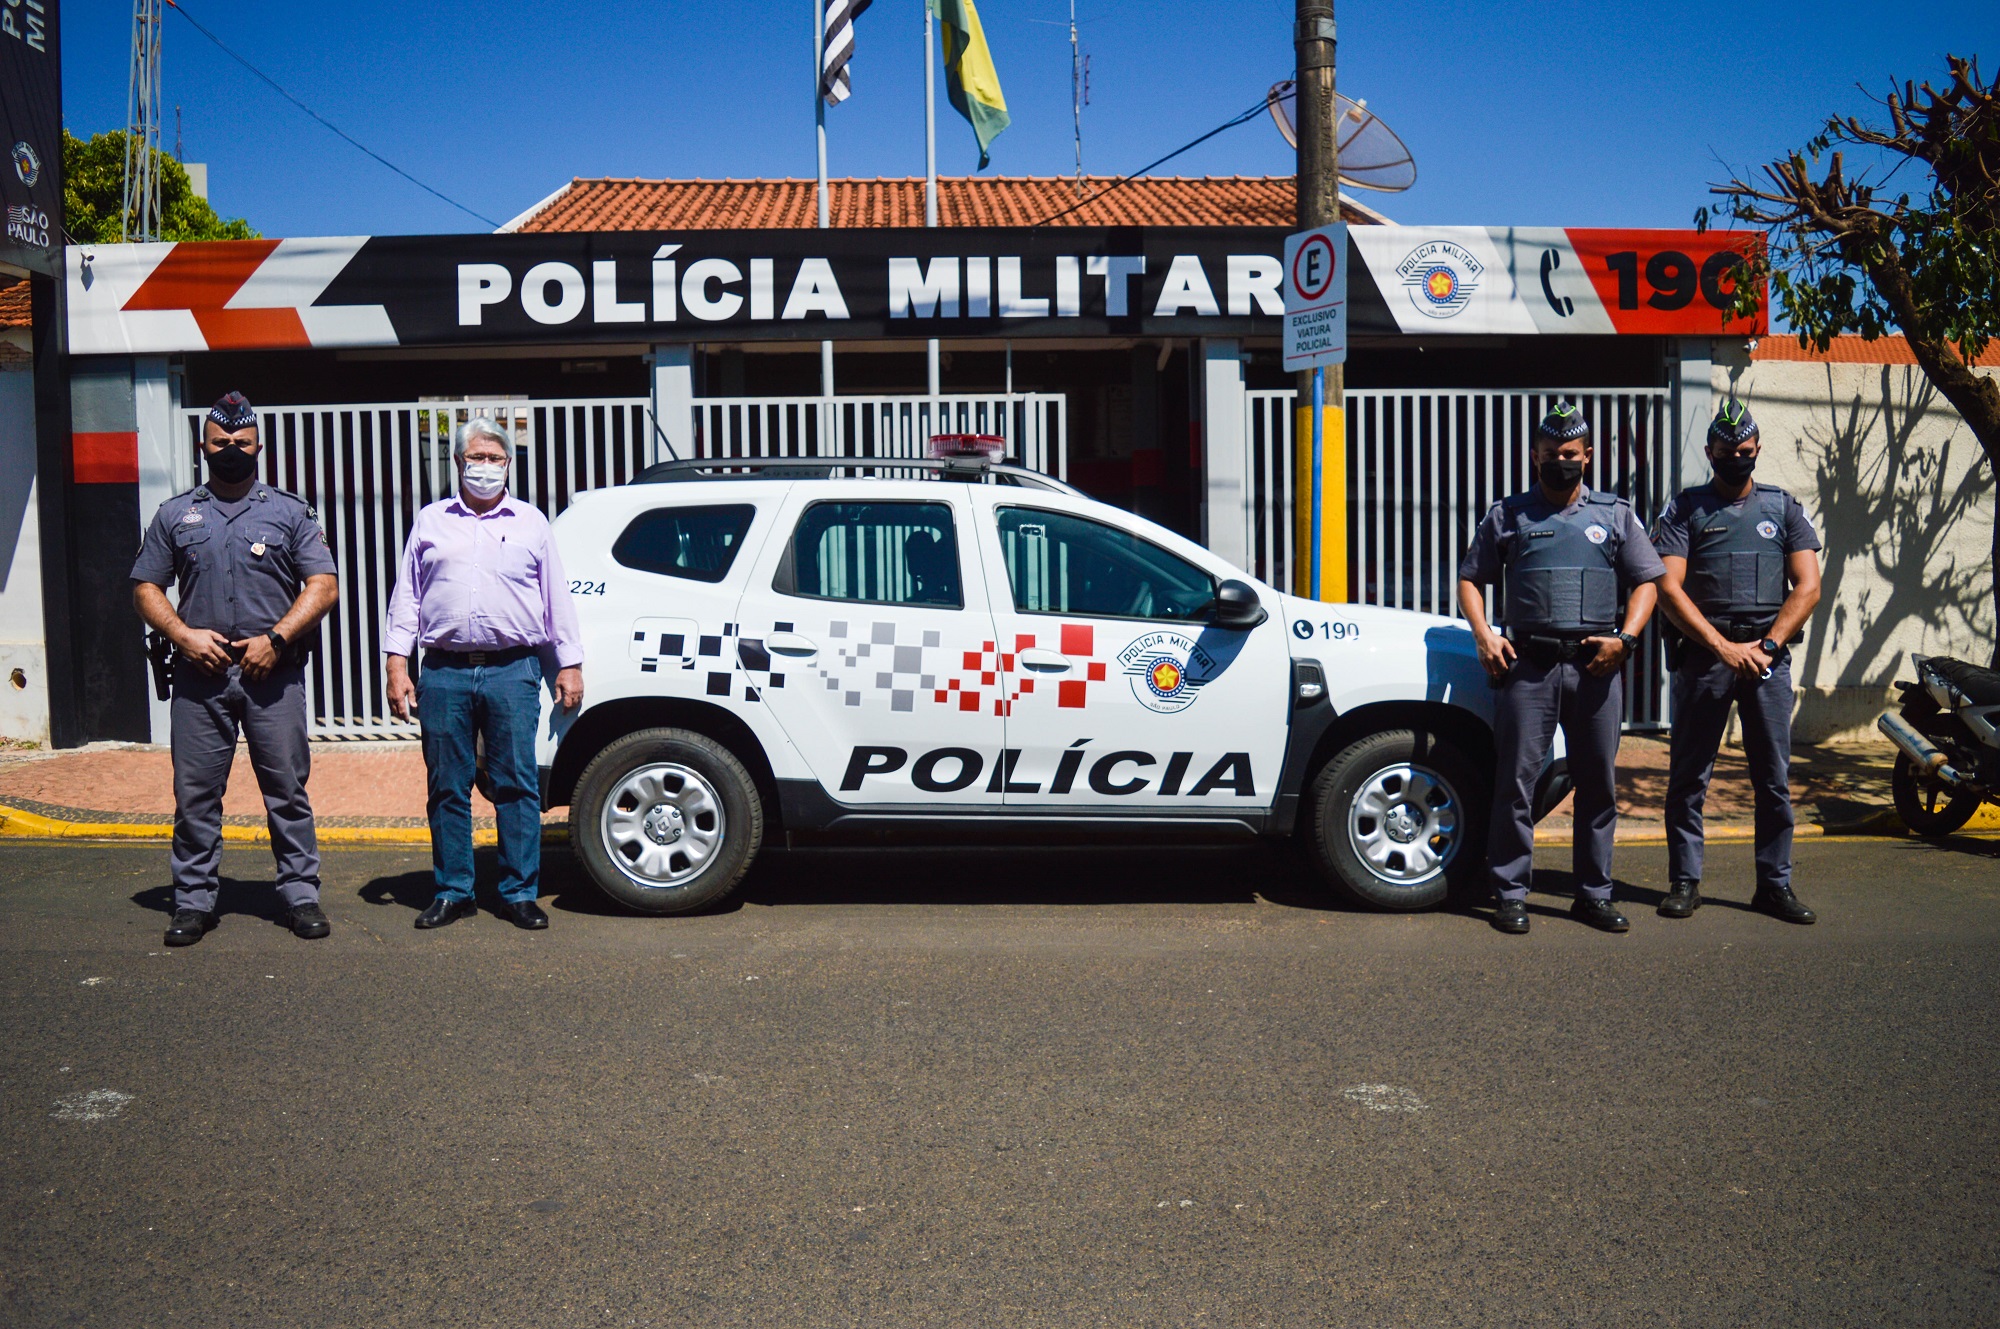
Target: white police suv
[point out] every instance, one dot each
(808, 650)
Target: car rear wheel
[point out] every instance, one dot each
(1397, 819)
(1929, 808)
(666, 821)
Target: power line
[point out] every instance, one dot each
(1122, 180)
(277, 88)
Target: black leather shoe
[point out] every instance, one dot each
(524, 914)
(1600, 914)
(1683, 898)
(443, 911)
(1779, 902)
(308, 923)
(1511, 916)
(189, 926)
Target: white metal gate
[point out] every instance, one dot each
(1034, 424)
(368, 469)
(1423, 467)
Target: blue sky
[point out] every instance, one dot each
(1602, 114)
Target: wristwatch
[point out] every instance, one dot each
(277, 640)
(1768, 646)
(1631, 642)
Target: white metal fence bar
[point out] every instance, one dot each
(369, 468)
(1034, 424)
(1424, 465)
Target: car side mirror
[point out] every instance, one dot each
(1235, 606)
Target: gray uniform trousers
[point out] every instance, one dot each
(208, 711)
(1533, 700)
(1703, 687)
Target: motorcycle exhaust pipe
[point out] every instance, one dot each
(1918, 748)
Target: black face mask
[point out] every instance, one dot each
(231, 465)
(1733, 469)
(1561, 474)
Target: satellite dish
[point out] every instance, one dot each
(1371, 156)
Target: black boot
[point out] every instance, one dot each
(189, 926)
(1511, 916)
(1780, 903)
(1683, 898)
(1600, 914)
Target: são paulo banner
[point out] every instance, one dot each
(684, 286)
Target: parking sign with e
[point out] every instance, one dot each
(1316, 297)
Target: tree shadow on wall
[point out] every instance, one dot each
(1890, 511)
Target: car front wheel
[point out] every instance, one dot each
(666, 821)
(1396, 819)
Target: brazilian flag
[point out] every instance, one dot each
(970, 78)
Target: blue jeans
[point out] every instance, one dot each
(456, 702)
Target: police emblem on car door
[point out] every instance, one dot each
(1120, 694)
(872, 624)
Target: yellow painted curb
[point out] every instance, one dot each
(17, 824)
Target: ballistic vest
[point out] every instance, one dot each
(1562, 568)
(1736, 558)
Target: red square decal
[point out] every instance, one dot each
(986, 646)
(1027, 686)
(943, 696)
(1023, 640)
(971, 660)
(1096, 671)
(968, 701)
(1007, 663)
(1070, 691)
(987, 678)
(1076, 640)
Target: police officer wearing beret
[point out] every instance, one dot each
(255, 578)
(1567, 553)
(1731, 548)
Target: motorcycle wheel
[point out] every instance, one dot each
(1929, 808)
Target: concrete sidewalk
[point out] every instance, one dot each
(373, 792)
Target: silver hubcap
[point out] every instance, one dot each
(663, 825)
(1404, 824)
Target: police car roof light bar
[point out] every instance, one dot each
(992, 447)
(825, 468)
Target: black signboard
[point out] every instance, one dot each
(31, 136)
(809, 284)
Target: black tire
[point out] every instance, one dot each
(1928, 807)
(651, 791)
(1354, 842)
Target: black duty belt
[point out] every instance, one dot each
(1741, 630)
(437, 657)
(1544, 649)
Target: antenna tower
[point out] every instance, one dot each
(1079, 91)
(141, 220)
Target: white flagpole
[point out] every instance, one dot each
(930, 164)
(819, 132)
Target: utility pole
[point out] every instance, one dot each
(1318, 184)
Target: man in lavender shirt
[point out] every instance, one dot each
(482, 592)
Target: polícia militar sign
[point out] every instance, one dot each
(806, 285)
(31, 136)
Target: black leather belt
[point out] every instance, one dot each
(437, 657)
(1546, 649)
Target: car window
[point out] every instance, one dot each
(696, 543)
(1059, 564)
(880, 553)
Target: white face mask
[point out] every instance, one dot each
(484, 479)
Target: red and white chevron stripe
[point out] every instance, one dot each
(216, 295)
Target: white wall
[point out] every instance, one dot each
(24, 706)
(1903, 500)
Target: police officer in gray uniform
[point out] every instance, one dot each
(1731, 546)
(1567, 552)
(255, 577)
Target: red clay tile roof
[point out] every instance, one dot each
(678, 205)
(14, 306)
(1889, 350)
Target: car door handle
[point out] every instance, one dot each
(1044, 662)
(790, 643)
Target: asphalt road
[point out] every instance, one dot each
(1002, 1089)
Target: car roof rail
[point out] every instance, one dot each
(973, 469)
